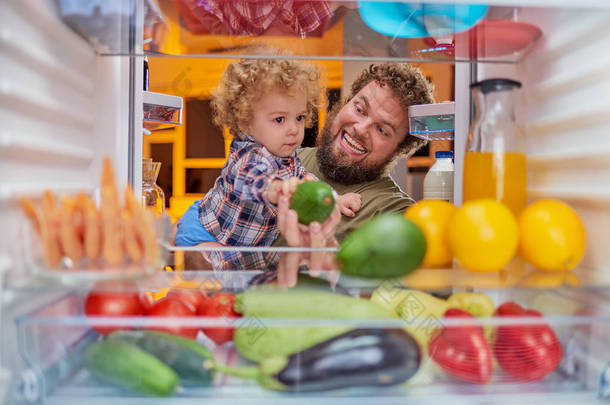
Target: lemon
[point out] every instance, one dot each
(545, 279)
(433, 216)
(552, 235)
(483, 235)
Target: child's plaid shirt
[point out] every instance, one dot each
(235, 210)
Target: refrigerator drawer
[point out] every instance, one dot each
(54, 340)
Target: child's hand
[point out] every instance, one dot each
(282, 187)
(349, 204)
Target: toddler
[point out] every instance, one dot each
(266, 104)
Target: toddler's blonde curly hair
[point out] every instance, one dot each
(245, 81)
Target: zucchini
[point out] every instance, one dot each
(255, 341)
(184, 356)
(130, 367)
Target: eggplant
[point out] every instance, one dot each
(359, 357)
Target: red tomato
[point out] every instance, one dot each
(112, 304)
(191, 297)
(172, 308)
(220, 306)
(147, 301)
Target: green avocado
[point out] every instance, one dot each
(313, 201)
(388, 245)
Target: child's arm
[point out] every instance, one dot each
(281, 187)
(349, 204)
(254, 176)
(302, 173)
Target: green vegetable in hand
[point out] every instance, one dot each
(313, 201)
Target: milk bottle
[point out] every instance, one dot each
(438, 183)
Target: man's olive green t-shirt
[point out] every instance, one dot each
(378, 196)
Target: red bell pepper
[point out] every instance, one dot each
(526, 352)
(462, 351)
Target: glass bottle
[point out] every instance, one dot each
(152, 195)
(494, 165)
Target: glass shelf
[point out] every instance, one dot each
(317, 29)
(251, 261)
(237, 268)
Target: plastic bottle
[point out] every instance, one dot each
(438, 183)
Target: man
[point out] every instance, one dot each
(358, 144)
(357, 147)
(364, 136)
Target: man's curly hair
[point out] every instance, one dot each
(245, 81)
(409, 86)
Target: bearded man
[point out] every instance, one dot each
(364, 136)
(357, 147)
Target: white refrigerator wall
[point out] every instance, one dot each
(565, 112)
(566, 115)
(62, 108)
(567, 119)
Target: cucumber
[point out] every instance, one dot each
(387, 246)
(130, 367)
(313, 201)
(257, 342)
(184, 356)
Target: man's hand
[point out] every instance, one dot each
(282, 187)
(349, 204)
(315, 235)
(297, 234)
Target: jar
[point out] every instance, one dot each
(494, 163)
(152, 195)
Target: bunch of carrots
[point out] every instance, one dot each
(73, 227)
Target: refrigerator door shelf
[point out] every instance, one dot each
(432, 122)
(161, 110)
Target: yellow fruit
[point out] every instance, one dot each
(433, 216)
(552, 235)
(483, 235)
(545, 279)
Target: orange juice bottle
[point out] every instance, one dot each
(499, 176)
(494, 165)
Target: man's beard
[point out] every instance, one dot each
(331, 165)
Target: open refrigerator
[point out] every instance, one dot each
(71, 88)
